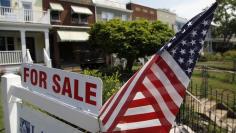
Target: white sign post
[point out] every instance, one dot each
(68, 97)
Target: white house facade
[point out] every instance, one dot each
(24, 33)
(111, 9)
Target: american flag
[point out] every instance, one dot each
(151, 98)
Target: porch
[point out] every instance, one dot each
(21, 46)
(24, 15)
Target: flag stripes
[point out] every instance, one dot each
(150, 100)
(166, 101)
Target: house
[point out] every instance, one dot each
(71, 21)
(180, 22)
(24, 33)
(110, 9)
(167, 17)
(142, 12)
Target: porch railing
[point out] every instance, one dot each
(47, 59)
(28, 57)
(23, 15)
(10, 57)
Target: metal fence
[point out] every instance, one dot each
(206, 110)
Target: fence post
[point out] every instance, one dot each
(9, 102)
(204, 84)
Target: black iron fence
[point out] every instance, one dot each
(208, 112)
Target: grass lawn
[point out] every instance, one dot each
(216, 80)
(218, 83)
(225, 65)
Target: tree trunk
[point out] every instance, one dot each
(130, 62)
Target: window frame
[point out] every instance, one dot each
(6, 45)
(59, 16)
(108, 16)
(79, 19)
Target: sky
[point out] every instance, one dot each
(183, 8)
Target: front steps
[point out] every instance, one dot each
(218, 113)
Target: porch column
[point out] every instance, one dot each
(23, 45)
(47, 47)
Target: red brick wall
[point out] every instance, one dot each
(142, 12)
(65, 15)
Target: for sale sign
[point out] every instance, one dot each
(77, 90)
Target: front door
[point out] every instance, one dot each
(28, 14)
(30, 44)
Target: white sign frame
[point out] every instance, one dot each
(77, 90)
(13, 93)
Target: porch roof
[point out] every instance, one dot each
(56, 7)
(72, 36)
(81, 10)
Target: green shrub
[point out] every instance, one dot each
(230, 55)
(203, 58)
(111, 83)
(218, 57)
(211, 57)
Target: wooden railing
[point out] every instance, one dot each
(22, 15)
(47, 60)
(10, 57)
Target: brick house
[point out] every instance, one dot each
(142, 12)
(70, 20)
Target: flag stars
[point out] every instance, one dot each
(190, 61)
(204, 32)
(194, 33)
(184, 42)
(182, 51)
(191, 52)
(201, 42)
(189, 70)
(193, 42)
(189, 23)
(173, 51)
(205, 23)
(181, 60)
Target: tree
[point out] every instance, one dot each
(225, 18)
(130, 40)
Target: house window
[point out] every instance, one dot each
(137, 9)
(55, 16)
(10, 43)
(152, 12)
(124, 17)
(5, 3)
(79, 18)
(145, 10)
(7, 43)
(84, 18)
(107, 16)
(2, 43)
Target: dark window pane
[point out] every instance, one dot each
(84, 18)
(10, 40)
(2, 43)
(55, 15)
(10, 47)
(10, 43)
(75, 17)
(5, 3)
